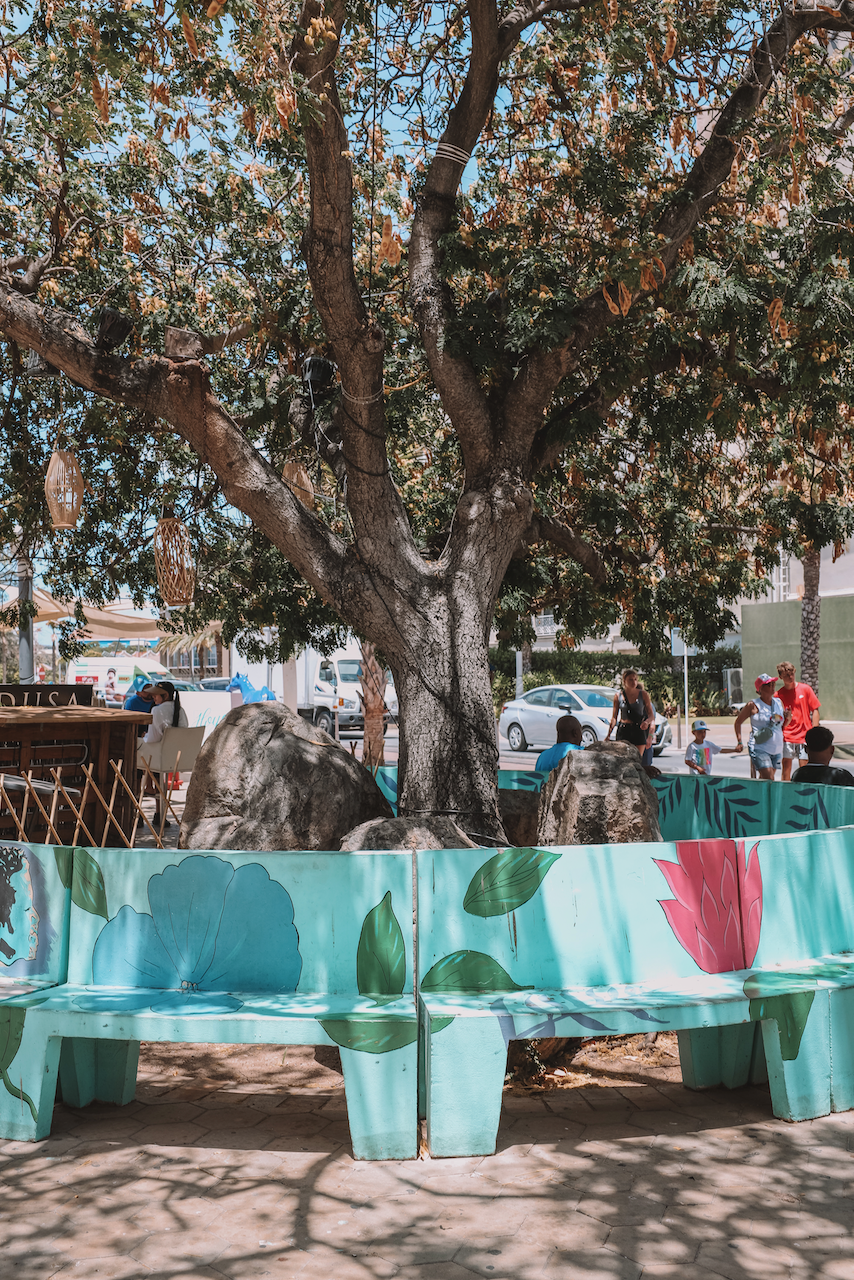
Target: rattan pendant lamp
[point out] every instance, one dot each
(173, 561)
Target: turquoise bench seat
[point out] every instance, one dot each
(746, 952)
(241, 948)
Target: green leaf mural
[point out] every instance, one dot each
(468, 971)
(365, 1033)
(507, 881)
(380, 974)
(785, 997)
(381, 956)
(64, 863)
(12, 1019)
(87, 884)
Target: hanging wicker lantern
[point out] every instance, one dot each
(173, 559)
(298, 481)
(63, 488)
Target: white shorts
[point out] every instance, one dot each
(794, 751)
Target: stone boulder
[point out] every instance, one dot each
(267, 779)
(599, 796)
(407, 833)
(519, 811)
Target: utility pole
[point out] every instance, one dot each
(26, 670)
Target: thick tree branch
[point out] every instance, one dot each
(540, 375)
(379, 521)
(454, 378)
(599, 398)
(178, 393)
(544, 529)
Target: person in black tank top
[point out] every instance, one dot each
(633, 710)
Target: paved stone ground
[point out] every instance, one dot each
(230, 1165)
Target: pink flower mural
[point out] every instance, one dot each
(717, 912)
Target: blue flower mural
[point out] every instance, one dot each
(213, 929)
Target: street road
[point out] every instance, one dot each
(671, 760)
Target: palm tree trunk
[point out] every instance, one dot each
(373, 684)
(811, 618)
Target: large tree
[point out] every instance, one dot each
(576, 350)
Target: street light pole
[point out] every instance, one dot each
(26, 655)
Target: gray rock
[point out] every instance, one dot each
(267, 779)
(599, 796)
(407, 833)
(519, 813)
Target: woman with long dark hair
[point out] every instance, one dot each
(167, 712)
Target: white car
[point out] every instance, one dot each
(530, 721)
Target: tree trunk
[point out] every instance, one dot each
(526, 657)
(373, 704)
(448, 745)
(218, 644)
(811, 618)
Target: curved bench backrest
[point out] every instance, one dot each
(226, 920)
(593, 916)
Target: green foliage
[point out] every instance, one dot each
(158, 157)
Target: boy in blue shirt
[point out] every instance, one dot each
(701, 752)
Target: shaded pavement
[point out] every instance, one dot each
(231, 1165)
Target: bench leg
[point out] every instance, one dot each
(382, 1102)
(28, 1090)
(98, 1071)
(842, 1048)
(713, 1056)
(800, 1086)
(465, 1066)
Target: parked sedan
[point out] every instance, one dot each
(530, 721)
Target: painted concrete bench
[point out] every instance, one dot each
(35, 898)
(707, 938)
(239, 948)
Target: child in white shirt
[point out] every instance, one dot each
(700, 753)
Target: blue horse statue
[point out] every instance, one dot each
(250, 693)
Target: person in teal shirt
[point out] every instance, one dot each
(568, 739)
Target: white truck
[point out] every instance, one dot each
(324, 681)
(317, 685)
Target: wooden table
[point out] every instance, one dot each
(42, 738)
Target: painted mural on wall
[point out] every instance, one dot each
(381, 977)
(697, 808)
(24, 930)
(717, 918)
(717, 910)
(19, 919)
(734, 808)
(212, 929)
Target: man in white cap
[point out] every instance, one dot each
(767, 717)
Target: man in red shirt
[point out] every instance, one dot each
(803, 704)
